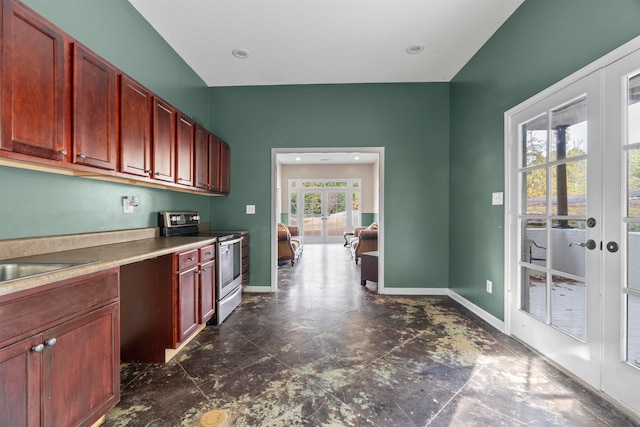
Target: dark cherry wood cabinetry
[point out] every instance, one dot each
(165, 302)
(94, 110)
(186, 293)
(135, 128)
(201, 150)
(65, 109)
(219, 160)
(207, 284)
(164, 140)
(185, 150)
(33, 84)
(245, 258)
(50, 339)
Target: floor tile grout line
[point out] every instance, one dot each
(193, 380)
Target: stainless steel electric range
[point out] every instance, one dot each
(228, 257)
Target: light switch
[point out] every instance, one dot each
(251, 209)
(497, 198)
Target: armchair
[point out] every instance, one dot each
(365, 239)
(289, 243)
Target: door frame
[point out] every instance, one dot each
(274, 200)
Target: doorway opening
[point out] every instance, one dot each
(344, 188)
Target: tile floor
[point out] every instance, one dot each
(325, 351)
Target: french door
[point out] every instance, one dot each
(324, 209)
(574, 227)
(325, 215)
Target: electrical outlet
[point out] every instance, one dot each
(489, 286)
(497, 198)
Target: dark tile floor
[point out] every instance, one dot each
(325, 351)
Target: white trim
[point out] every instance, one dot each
(415, 291)
(257, 289)
(481, 313)
(274, 220)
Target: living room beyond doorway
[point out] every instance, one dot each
(325, 194)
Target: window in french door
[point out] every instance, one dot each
(553, 175)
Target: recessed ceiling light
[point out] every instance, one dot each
(357, 157)
(297, 159)
(415, 49)
(240, 53)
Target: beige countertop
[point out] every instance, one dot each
(99, 250)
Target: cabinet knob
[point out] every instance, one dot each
(81, 155)
(62, 152)
(50, 342)
(157, 173)
(148, 171)
(37, 348)
(189, 259)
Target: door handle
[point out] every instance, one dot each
(589, 244)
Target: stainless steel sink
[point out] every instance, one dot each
(20, 270)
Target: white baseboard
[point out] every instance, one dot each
(257, 289)
(414, 291)
(483, 314)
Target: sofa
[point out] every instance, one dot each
(365, 239)
(289, 243)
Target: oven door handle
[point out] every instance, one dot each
(230, 242)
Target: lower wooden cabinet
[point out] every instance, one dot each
(64, 368)
(165, 301)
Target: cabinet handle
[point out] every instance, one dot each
(81, 155)
(37, 348)
(157, 173)
(208, 253)
(180, 179)
(148, 171)
(62, 152)
(50, 342)
(189, 259)
(204, 269)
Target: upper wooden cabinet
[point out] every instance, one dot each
(185, 150)
(94, 110)
(65, 109)
(33, 84)
(164, 140)
(135, 128)
(201, 150)
(219, 159)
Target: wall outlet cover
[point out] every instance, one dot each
(251, 209)
(497, 198)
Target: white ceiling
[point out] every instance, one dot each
(325, 41)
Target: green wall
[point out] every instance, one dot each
(411, 121)
(543, 42)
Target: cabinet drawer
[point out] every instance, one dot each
(187, 259)
(207, 253)
(56, 303)
(245, 264)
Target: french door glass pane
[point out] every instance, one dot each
(569, 188)
(336, 213)
(312, 214)
(536, 192)
(633, 110)
(569, 130)
(633, 184)
(633, 256)
(633, 330)
(568, 306)
(534, 293)
(566, 255)
(534, 242)
(534, 141)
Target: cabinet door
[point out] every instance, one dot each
(207, 291)
(135, 128)
(184, 148)
(20, 384)
(201, 179)
(215, 163)
(164, 140)
(33, 84)
(81, 369)
(94, 110)
(187, 304)
(225, 161)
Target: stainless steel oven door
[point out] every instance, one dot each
(229, 263)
